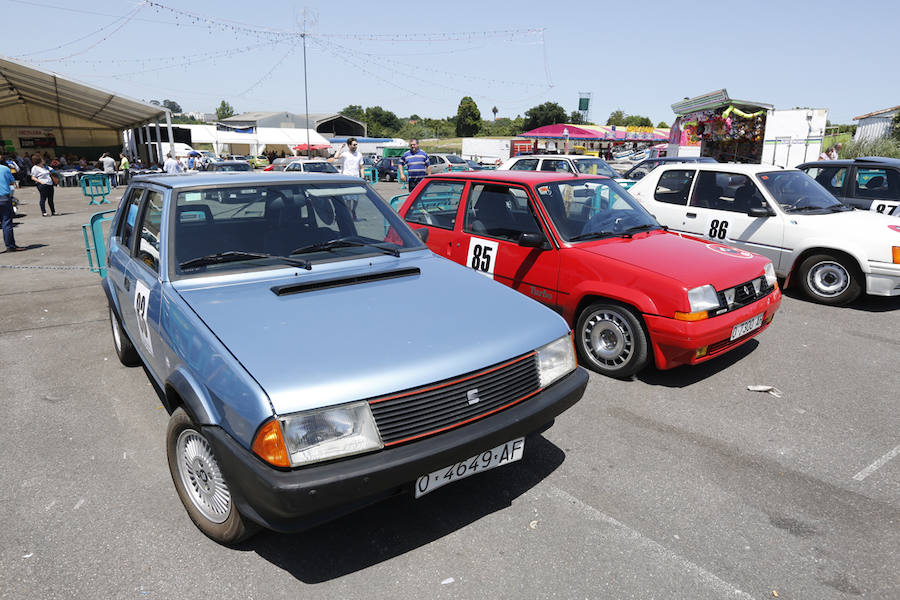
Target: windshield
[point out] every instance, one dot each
(594, 166)
(220, 229)
(796, 191)
(591, 209)
(455, 159)
(234, 167)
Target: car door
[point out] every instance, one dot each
(876, 188)
(834, 179)
(496, 216)
(119, 258)
(669, 198)
(524, 164)
(436, 207)
(720, 203)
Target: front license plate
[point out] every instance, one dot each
(746, 327)
(495, 457)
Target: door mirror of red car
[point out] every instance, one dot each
(531, 240)
(422, 232)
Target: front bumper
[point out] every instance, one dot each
(292, 500)
(676, 342)
(883, 279)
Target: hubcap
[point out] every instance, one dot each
(201, 477)
(609, 338)
(828, 278)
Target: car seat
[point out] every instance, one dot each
(875, 183)
(706, 194)
(744, 198)
(492, 214)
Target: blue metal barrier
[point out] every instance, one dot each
(95, 186)
(95, 241)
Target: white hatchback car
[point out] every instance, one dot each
(831, 251)
(578, 164)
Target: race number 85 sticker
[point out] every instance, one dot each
(482, 256)
(141, 299)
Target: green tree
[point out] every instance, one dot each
(381, 122)
(468, 118)
(440, 128)
(575, 118)
(662, 125)
(172, 105)
(495, 111)
(895, 126)
(548, 113)
(616, 117)
(224, 111)
(637, 121)
(415, 117)
(354, 111)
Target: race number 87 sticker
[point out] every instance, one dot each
(141, 300)
(482, 255)
(884, 207)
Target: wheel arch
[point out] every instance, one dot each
(854, 260)
(183, 390)
(593, 298)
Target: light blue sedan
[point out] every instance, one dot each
(314, 355)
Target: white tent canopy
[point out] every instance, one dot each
(256, 140)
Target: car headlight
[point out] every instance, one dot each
(556, 360)
(317, 435)
(701, 300)
(771, 279)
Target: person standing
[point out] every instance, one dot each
(6, 209)
(414, 165)
(125, 166)
(171, 165)
(41, 177)
(835, 151)
(352, 166)
(109, 169)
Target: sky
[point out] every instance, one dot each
(637, 57)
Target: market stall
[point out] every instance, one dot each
(594, 139)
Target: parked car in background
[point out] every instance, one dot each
(633, 292)
(869, 183)
(258, 162)
(565, 163)
(279, 164)
(473, 166)
(306, 165)
(833, 253)
(638, 171)
(238, 157)
(229, 165)
(441, 163)
(236, 293)
(387, 168)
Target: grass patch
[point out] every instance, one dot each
(881, 147)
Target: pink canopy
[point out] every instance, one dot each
(599, 133)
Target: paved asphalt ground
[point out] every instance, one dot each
(679, 484)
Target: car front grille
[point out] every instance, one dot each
(447, 404)
(742, 294)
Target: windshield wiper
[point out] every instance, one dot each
(645, 227)
(839, 208)
(234, 255)
(343, 243)
(593, 235)
(805, 208)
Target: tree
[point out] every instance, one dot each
(548, 113)
(224, 111)
(468, 118)
(172, 105)
(415, 117)
(575, 118)
(895, 126)
(637, 121)
(354, 111)
(616, 117)
(495, 111)
(662, 125)
(381, 122)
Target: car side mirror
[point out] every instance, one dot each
(422, 234)
(531, 240)
(760, 211)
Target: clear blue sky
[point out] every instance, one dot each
(639, 57)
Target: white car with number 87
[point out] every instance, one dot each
(832, 252)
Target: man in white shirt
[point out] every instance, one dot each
(171, 165)
(352, 165)
(109, 168)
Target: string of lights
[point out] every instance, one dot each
(75, 41)
(197, 59)
(125, 20)
(266, 76)
(432, 37)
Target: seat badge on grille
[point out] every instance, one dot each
(472, 397)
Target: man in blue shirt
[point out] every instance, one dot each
(6, 209)
(414, 165)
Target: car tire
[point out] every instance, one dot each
(200, 483)
(125, 350)
(610, 339)
(830, 279)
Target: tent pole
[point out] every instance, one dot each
(159, 142)
(171, 136)
(150, 147)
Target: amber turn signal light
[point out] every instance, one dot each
(895, 254)
(269, 445)
(694, 316)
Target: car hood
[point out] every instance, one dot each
(339, 344)
(687, 260)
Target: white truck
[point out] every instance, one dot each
(486, 151)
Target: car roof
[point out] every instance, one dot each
(226, 178)
(556, 156)
(528, 177)
(744, 168)
(846, 162)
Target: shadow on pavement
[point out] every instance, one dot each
(401, 524)
(686, 375)
(864, 303)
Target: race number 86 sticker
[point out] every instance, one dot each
(482, 255)
(141, 299)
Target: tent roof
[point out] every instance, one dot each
(22, 85)
(207, 134)
(594, 133)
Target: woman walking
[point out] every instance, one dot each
(41, 176)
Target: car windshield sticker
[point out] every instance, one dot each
(729, 251)
(717, 229)
(141, 299)
(884, 207)
(482, 255)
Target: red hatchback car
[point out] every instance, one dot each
(583, 246)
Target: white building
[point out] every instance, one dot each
(875, 125)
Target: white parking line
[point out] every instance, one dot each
(877, 464)
(722, 588)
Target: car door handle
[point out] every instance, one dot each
(692, 215)
(127, 284)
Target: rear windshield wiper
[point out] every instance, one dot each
(343, 243)
(234, 256)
